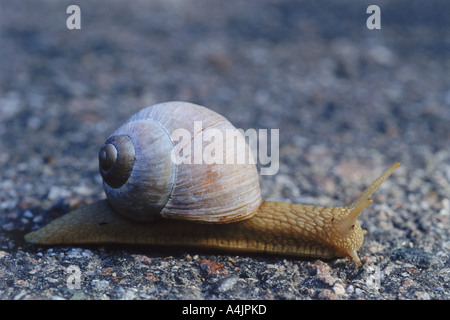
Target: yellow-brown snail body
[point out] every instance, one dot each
(143, 183)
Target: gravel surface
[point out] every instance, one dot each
(348, 101)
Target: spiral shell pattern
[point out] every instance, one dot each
(142, 181)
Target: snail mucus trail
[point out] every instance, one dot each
(153, 201)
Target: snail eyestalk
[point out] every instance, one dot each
(364, 200)
(365, 195)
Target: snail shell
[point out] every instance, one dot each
(142, 182)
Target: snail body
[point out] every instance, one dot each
(152, 200)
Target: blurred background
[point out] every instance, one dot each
(348, 101)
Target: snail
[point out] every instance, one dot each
(153, 198)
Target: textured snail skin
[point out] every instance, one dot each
(276, 228)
